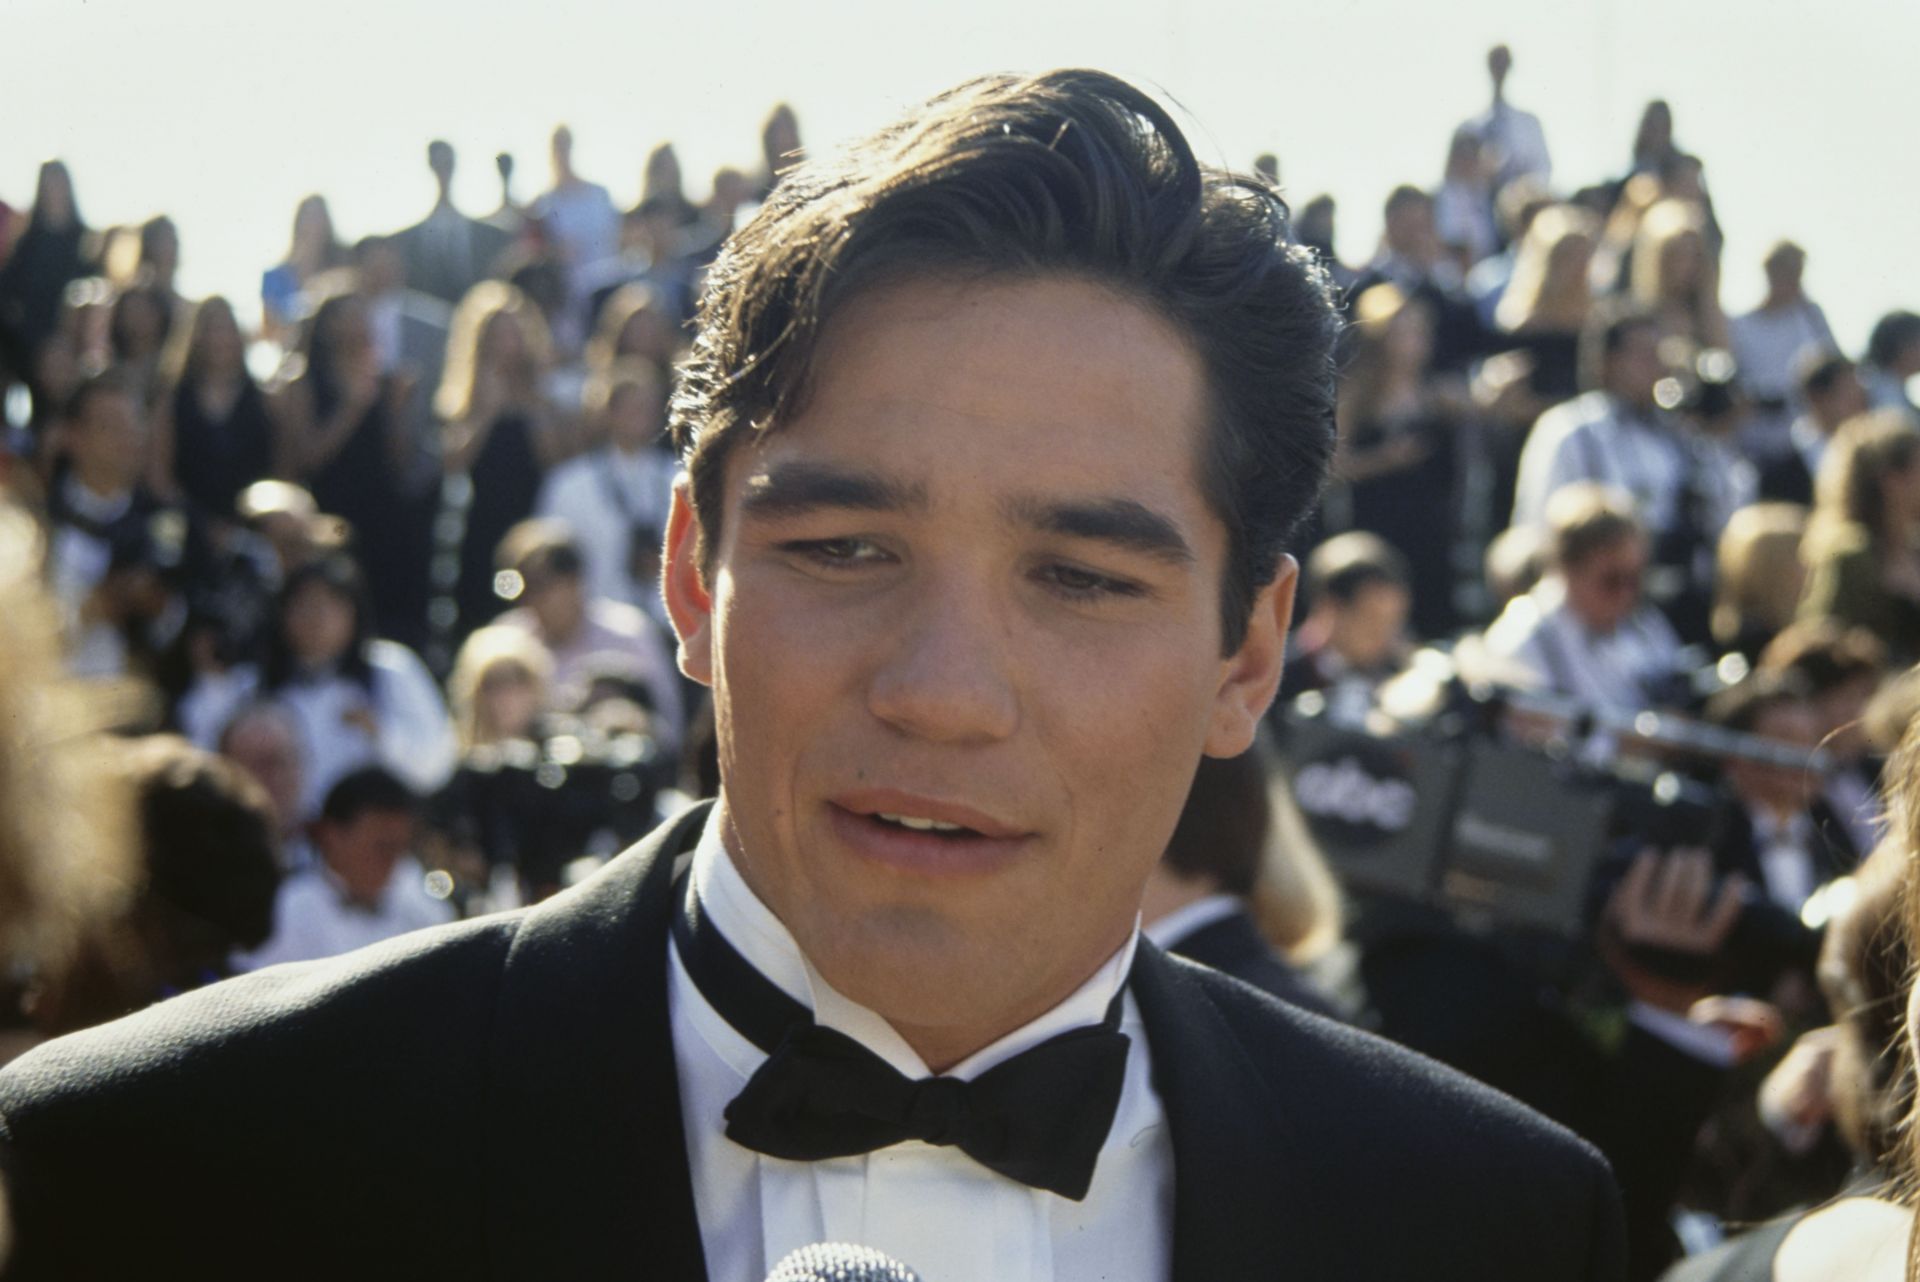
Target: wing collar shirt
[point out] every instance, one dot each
(930, 1207)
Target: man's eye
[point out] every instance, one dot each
(835, 552)
(1082, 584)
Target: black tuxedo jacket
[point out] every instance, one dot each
(498, 1099)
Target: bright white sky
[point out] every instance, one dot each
(225, 112)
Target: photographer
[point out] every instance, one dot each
(1633, 1058)
(1583, 631)
(1780, 835)
(535, 790)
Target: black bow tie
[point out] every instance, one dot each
(1040, 1117)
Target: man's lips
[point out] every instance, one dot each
(875, 802)
(982, 844)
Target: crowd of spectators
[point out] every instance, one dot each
(385, 623)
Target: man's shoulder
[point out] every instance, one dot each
(338, 1018)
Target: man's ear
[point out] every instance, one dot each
(1250, 676)
(684, 585)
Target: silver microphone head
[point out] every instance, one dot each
(840, 1262)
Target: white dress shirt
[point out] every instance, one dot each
(77, 561)
(1518, 138)
(1768, 345)
(605, 497)
(1590, 438)
(1610, 671)
(1785, 852)
(414, 739)
(930, 1207)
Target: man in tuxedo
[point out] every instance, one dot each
(995, 429)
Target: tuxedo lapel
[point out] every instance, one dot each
(1244, 1200)
(589, 1173)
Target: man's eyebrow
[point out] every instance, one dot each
(793, 489)
(1124, 523)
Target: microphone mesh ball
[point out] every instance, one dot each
(840, 1262)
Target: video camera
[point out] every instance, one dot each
(1497, 834)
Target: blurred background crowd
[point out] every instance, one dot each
(350, 622)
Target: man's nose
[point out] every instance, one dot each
(947, 671)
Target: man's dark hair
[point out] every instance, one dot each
(339, 573)
(1607, 331)
(1222, 833)
(1343, 567)
(1069, 173)
(368, 790)
(1892, 334)
(1820, 370)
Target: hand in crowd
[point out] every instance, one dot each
(1664, 924)
(1750, 1025)
(1795, 1101)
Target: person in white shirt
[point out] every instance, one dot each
(1616, 435)
(1582, 632)
(365, 886)
(1518, 142)
(580, 219)
(588, 636)
(615, 498)
(1770, 340)
(358, 700)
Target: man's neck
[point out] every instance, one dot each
(725, 883)
(1168, 891)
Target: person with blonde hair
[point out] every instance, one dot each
(499, 436)
(1862, 547)
(67, 853)
(498, 686)
(1549, 299)
(1758, 576)
(1674, 274)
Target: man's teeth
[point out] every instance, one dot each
(921, 825)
